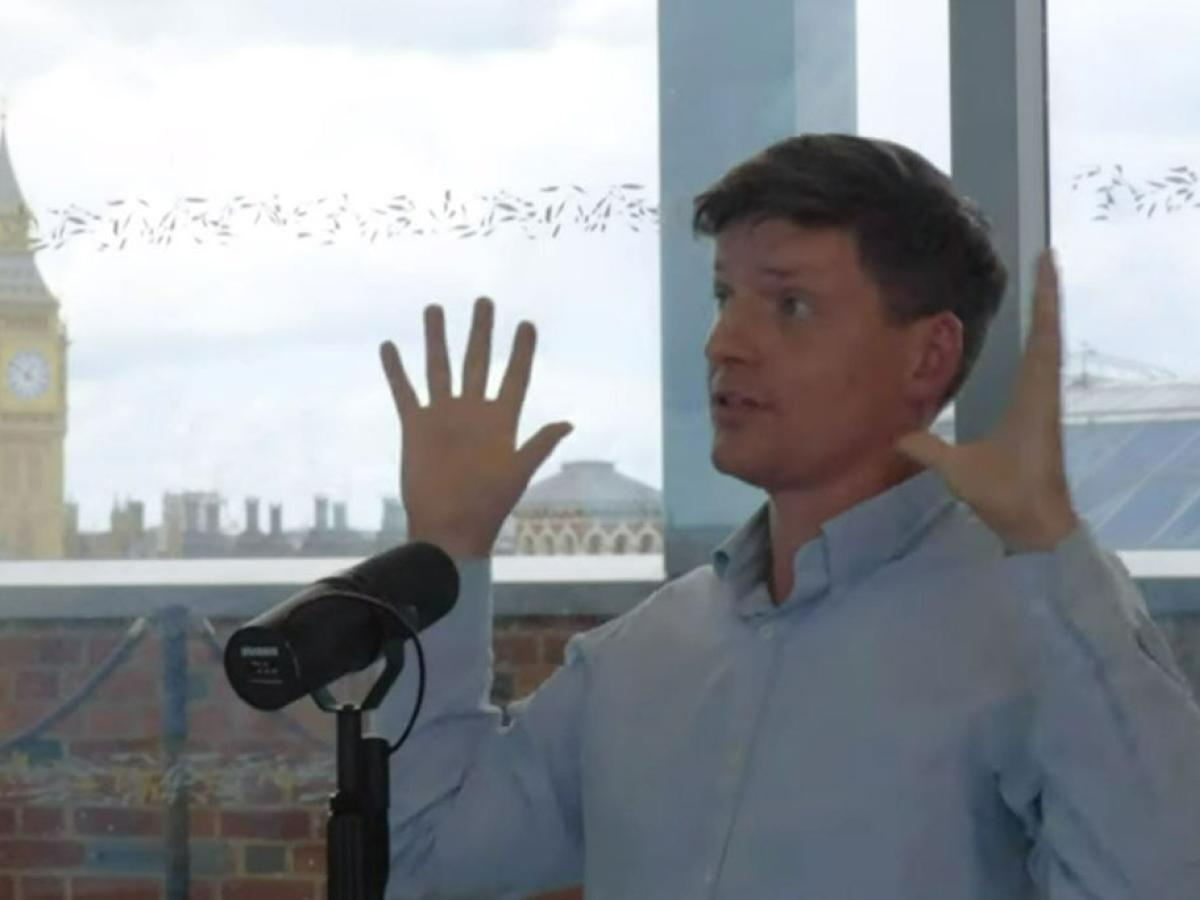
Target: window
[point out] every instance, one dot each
(210, 216)
(1125, 214)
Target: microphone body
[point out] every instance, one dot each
(332, 628)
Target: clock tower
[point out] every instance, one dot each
(33, 388)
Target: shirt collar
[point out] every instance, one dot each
(849, 546)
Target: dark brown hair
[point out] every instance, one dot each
(926, 245)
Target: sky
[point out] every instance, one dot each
(249, 366)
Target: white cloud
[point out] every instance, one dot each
(255, 364)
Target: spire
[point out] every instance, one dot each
(11, 200)
(20, 280)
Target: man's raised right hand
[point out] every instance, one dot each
(461, 473)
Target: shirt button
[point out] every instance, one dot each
(766, 631)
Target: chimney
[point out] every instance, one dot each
(252, 515)
(339, 516)
(212, 516)
(277, 519)
(393, 515)
(322, 513)
(191, 513)
(72, 517)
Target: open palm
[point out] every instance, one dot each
(461, 472)
(1015, 478)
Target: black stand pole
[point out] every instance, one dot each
(357, 848)
(357, 832)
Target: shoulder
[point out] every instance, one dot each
(677, 606)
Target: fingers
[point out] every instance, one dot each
(1037, 403)
(437, 357)
(535, 450)
(1046, 313)
(403, 394)
(479, 350)
(520, 361)
(927, 449)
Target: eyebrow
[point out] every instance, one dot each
(777, 272)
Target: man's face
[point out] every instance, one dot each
(799, 329)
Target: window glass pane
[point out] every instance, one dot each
(1125, 217)
(904, 89)
(211, 214)
(232, 217)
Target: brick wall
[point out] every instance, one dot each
(85, 806)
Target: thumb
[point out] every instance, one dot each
(925, 448)
(535, 450)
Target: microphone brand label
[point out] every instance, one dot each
(258, 652)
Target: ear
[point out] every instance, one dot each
(934, 355)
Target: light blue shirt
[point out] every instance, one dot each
(924, 718)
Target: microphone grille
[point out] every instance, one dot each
(418, 575)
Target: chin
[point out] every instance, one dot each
(726, 464)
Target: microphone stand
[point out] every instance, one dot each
(356, 834)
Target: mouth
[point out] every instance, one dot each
(729, 409)
(729, 400)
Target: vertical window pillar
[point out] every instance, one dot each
(732, 79)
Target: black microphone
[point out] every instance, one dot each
(332, 627)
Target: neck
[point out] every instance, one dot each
(796, 514)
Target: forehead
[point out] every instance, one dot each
(778, 248)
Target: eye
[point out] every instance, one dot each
(795, 306)
(720, 294)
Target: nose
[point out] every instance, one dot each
(730, 336)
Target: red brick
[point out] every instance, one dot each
(309, 859)
(553, 643)
(202, 822)
(202, 890)
(199, 655)
(516, 649)
(8, 888)
(59, 650)
(115, 889)
(266, 825)
(117, 821)
(8, 820)
(15, 716)
(134, 721)
(269, 889)
(99, 646)
(73, 725)
(131, 680)
(44, 821)
(208, 719)
(318, 723)
(17, 651)
(43, 888)
(253, 722)
(571, 893)
(36, 684)
(527, 679)
(32, 854)
(6, 679)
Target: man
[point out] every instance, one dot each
(911, 674)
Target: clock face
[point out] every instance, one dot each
(28, 374)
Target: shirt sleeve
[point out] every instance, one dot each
(478, 807)
(1107, 775)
